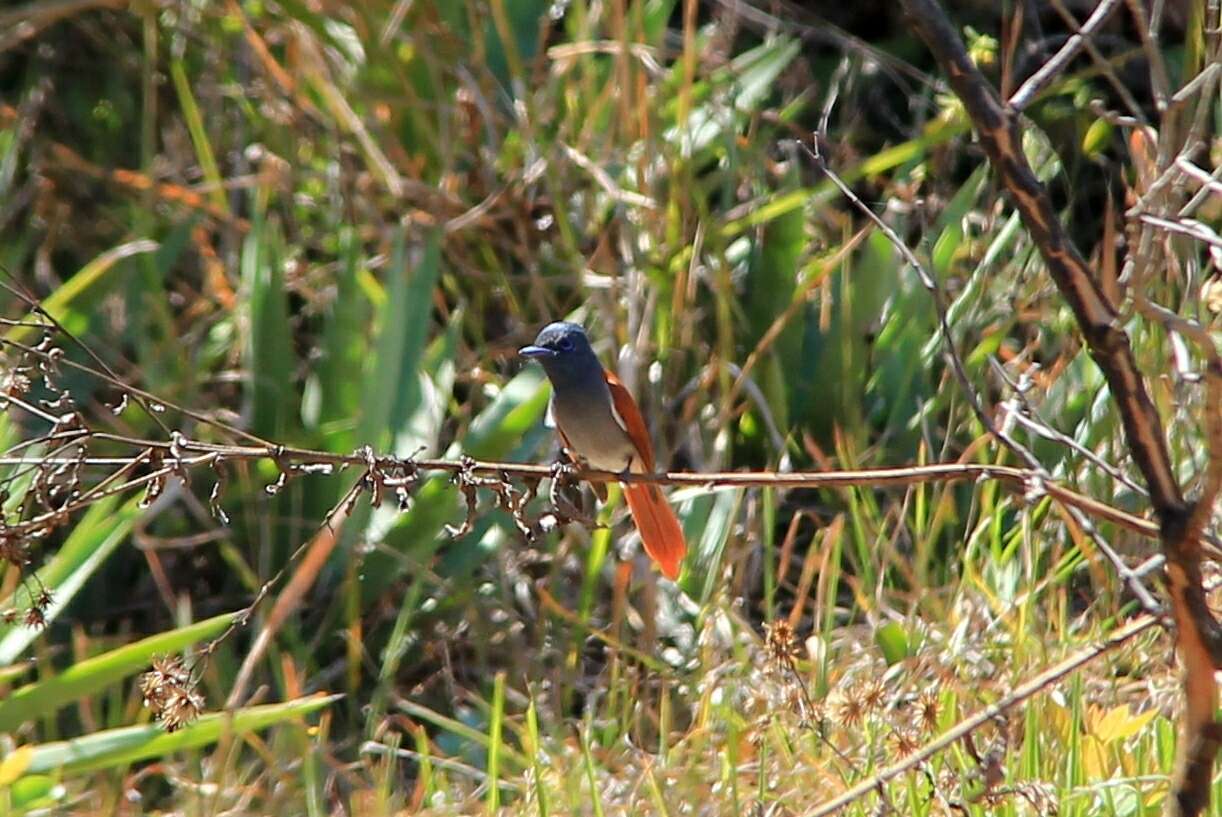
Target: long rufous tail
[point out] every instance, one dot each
(658, 525)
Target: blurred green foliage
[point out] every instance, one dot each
(331, 225)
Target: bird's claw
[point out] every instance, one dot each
(563, 472)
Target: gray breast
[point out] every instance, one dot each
(593, 432)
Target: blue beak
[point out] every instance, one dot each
(536, 351)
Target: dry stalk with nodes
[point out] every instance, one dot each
(73, 463)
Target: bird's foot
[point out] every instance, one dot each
(565, 494)
(565, 468)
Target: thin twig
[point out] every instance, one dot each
(955, 359)
(313, 554)
(1051, 69)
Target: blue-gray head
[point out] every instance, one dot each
(565, 352)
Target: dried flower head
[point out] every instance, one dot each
(904, 741)
(850, 708)
(182, 708)
(170, 693)
(34, 618)
(928, 708)
(781, 643)
(15, 384)
(1211, 295)
(874, 695)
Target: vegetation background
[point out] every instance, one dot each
(329, 225)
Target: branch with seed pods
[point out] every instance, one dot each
(74, 465)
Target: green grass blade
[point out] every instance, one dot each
(269, 351)
(102, 529)
(87, 677)
(118, 747)
(199, 134)
(73, 302)
(591, 773)
(494, 743)
(534, 748)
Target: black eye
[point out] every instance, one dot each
(565, 344)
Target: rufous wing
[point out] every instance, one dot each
(634, 423)
(655, 519)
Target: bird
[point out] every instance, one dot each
(600, 424)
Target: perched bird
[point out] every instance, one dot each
(600, 424)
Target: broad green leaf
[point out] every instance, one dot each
(508, 60)
(896, 387)
(892, 640)
(773, 279)
(102, 529)
(422, 429)
(150, 326)
(836, 364)
(35, 791)
(418, 533)
(751, 74)
(17, 479)
(1097, 137)
(709, 528)
(657, 15)
(395, 383)
(392, 387)
(1119, 723)
(939, 132)
(129, 744)
(500, 426)
(335, 388)
(91, 675)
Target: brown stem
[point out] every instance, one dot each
(1198, 640)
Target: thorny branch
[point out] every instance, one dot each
(181, 455)
(1199, 640)
(1025, 481)
(72, 465)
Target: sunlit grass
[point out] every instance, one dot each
(332, 228)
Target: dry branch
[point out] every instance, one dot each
(192, 454)
(1073, 46)
(1198, 639)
